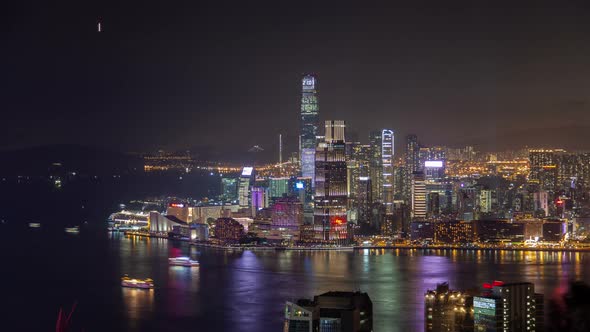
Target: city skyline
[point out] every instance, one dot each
(157, 77)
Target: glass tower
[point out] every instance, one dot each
(309, 126)
(387, 164)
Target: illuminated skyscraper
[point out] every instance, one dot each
(412, 163)
(309, 126)
(244, 187)
(229, 189)
(418, 196)
(387, 164)
(331, 183)
(376, 166)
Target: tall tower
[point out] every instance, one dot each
(387, 164)
(412, 163)
(331, 184)
(309, 126)
(376, 165)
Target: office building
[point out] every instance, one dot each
(278, 187)
(258, 199)
(418, 195)
(229, 189)
(376, 165)
(244, 187)
(387, 152)
(309, 126)
(331, 184)
(412, 163)
(508, 307)
(330, 312)
(485, 201)
(541, 202)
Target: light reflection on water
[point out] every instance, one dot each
(246, 291)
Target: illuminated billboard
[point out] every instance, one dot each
(177, 205)
(247, 171)
(433, 163)
(338, 220)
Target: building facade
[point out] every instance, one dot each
(331, 184)
(309, 122)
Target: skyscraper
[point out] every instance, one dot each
(387, 164)
(418, 196)
(412, 163)
(376, 165)
(244, 187)
(331, 183)
(309, 126)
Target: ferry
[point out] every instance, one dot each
(182, 261)
(74, 230)
(137, 283)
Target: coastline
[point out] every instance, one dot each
(356, 248)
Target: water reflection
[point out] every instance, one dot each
(139, 304)
(248, 288)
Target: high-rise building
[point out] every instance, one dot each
(244, 187)
(331, 184)
(330, 312)
(412, 163)
(376, 165)
(309, 125)
(229, 189)
(278, 187)
(541, 202)
(334, 131)
(539, 158)
(485, 201)
(508, 307)
(258, 199)
(418, 194)
(447, 310)
(387, 152)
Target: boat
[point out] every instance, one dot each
(34, 225)
(74, 230)
(137, 283)
(182, 261)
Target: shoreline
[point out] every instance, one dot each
(356, 248)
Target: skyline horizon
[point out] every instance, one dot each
(480, 74)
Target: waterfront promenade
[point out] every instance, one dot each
(373, 247)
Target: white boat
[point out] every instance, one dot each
(182, 261)
(75, 229)
(137, 283)
(34, 224)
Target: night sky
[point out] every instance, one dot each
(170, 74)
